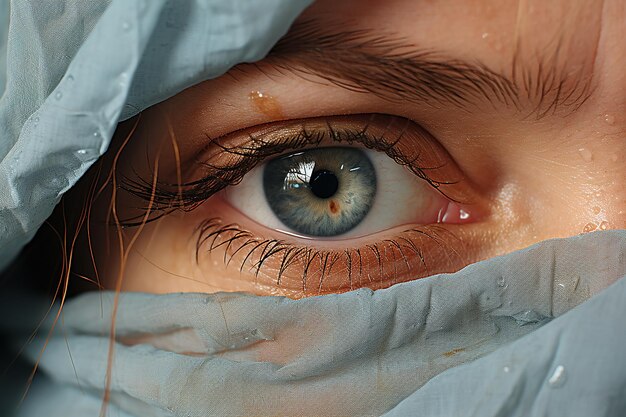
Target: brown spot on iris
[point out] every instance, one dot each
(266, 105)
(333, 206)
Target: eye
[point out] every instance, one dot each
(336, 193)
(324, 205)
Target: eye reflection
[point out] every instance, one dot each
(321, 192)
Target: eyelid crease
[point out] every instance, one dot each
(226, 160)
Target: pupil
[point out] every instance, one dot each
(324, 184)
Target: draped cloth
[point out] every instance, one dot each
(531, 333)
(73, 69)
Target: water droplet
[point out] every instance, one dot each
(123, 79)
(86, 154)
(96, 134)
(585, 154)
(70, 77)
(54, 182)
(36, 119)
(524, 318)
(506, 369)
(484, 35)
(558, 377)
(501, 282)
(14, 163)
(609, 119)
(589, 227)
(207, 300)
(604, 225)
(596, 210)
(58, 95)
(126, 26)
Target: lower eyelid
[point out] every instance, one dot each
(302, 269)
(411, 255)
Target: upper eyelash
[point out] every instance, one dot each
(167, 197)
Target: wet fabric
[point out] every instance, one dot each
(516, 335)
(503, 337)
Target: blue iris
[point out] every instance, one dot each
(320, 192)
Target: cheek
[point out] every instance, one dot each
(163, 260)
(572, 189)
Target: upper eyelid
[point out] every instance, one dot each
(272, 141)
(302, 134)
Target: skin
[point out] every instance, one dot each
(528, 177)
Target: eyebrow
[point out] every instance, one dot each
(391, 68)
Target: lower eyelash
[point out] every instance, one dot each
(255, 252)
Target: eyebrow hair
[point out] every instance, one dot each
(389, 67)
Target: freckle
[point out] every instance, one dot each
(333, 206)
(266, 105)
